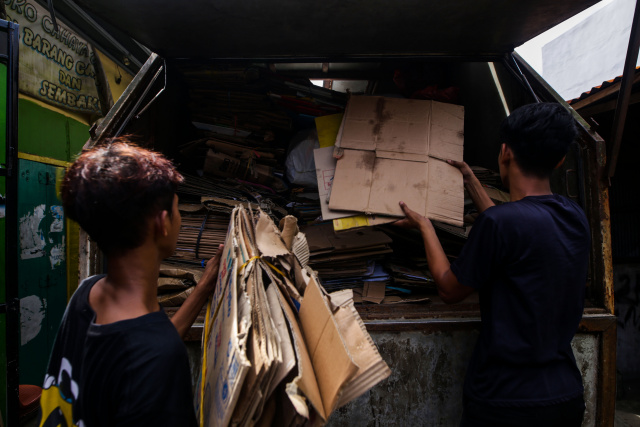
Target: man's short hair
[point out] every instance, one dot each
(539, 136)
(112, 190)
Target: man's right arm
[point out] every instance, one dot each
(449, 288)
(480, 198)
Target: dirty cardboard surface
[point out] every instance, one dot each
(394, 149)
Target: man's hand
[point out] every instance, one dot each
(449, 289)
(412, 219)
(188, 312)
(210, 275)
(467, 173)
(473, 186)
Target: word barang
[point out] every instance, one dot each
(44, 46)
(51, 51)
(60, 95)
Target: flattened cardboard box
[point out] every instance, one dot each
(395, 149)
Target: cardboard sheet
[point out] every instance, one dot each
(373, 292)
(224, 359)
(323, 240)
(371, 367)
(395, 149)
(343, 220)
(288, 354)
(331, 360)
(325, 168)
(305, 383)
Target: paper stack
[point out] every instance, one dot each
(277, 349)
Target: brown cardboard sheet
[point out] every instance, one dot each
(373, 292)
(393, 150)
(322, 239)
(331, 360)
(371, 367)
(306, 381)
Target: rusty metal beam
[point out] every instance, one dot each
(625, 92)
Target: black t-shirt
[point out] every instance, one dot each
(528, 260)
(129, 373)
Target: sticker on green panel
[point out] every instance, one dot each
(34, 239)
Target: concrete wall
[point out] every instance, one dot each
(425, 387)
(591, 52)
(427, 373)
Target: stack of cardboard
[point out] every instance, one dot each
(279, 350)
(175, 284)
(245, 119)
(346, 258)
(395, 149)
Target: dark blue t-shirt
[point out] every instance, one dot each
(528, 260)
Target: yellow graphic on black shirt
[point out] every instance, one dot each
(58, 396)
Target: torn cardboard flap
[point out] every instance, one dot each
(393, 150)
(268, 238)
(330, 356)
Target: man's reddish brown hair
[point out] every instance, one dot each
(114, 189)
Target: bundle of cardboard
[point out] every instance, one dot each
(392, 149)
(345, 254)
(277, 349)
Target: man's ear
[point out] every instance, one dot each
(505, 153)
(161, 223)
(560, 162)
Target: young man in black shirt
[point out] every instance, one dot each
(118, 360)
(528, 261)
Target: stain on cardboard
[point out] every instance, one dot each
(381, 117)
(420, 185)
(367, 161)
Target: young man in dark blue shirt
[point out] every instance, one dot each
(528, 261)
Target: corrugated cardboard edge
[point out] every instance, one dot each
(377, 370)
(304, 386)
(334, 366)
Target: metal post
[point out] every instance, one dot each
(622, 104)
(11, 228)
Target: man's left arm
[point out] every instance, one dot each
(188, 312)
(449, 288)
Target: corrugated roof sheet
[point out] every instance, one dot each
(597, 89)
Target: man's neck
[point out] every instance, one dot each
(130, 288)
(521, 186)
